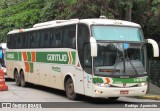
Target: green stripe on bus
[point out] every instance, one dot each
(98, 80)
(129, 80)
(31, 67)
(121, 80)
(73, 57)
(29, 56)
(20, 56)
(52, 57)
(46, 57)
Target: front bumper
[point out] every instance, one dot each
(118, 92)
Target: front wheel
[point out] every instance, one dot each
(69, 86)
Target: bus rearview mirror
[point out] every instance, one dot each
(155, 47)
(93, 44)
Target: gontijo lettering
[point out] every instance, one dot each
(57, 57)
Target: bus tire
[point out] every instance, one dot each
(113, 98)
(17, 78)
(69, 86)
(22, 79)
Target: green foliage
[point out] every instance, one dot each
(24, 13)
(19, 14)
(147, 13)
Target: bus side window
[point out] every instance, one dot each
(9, 42)
(71, 39)
(15, 39)
(19, 41)
(46, 39)
(32, 44)
(24, 40)
(58, 38)
(28, 40)
(51, 39)
(13, 42)
(42, 39)
(65, 36)
(69, 36)
(36, 39)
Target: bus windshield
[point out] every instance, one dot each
(120, 33)
(118, 59)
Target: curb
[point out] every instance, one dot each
(154, 97)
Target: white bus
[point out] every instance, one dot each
(93, 57)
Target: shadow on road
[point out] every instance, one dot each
(82, 99)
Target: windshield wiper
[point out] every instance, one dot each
(131, 63)
(119, 58)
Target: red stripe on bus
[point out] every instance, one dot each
(27, 68)
(33, 56)
(24, 56)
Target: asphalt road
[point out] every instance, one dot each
(57, 99)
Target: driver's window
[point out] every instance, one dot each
(84, 47)
(87, 58)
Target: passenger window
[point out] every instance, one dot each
(46, 39)
(52, 39)
(72, 38)
(58, 38)
(24, 39)
(19, 41)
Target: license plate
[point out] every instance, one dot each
(124, 92)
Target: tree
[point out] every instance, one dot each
(25, 13)
(21, 15)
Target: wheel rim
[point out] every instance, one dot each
(22, 79)
(70, 89)
(16, 78)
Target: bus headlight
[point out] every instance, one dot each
(142, 84)
(102, 84)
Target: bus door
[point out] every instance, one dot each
(84, 71)
(79, 79)
(87, 66)
(84, 54)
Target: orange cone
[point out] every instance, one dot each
(3, 86)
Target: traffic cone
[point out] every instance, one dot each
(3, 86)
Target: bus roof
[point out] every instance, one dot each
(108, 22)
(56, 23)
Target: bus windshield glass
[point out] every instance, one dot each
(119, 59)
(120, 33)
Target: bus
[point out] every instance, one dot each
(98, 57)
(3, 48)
